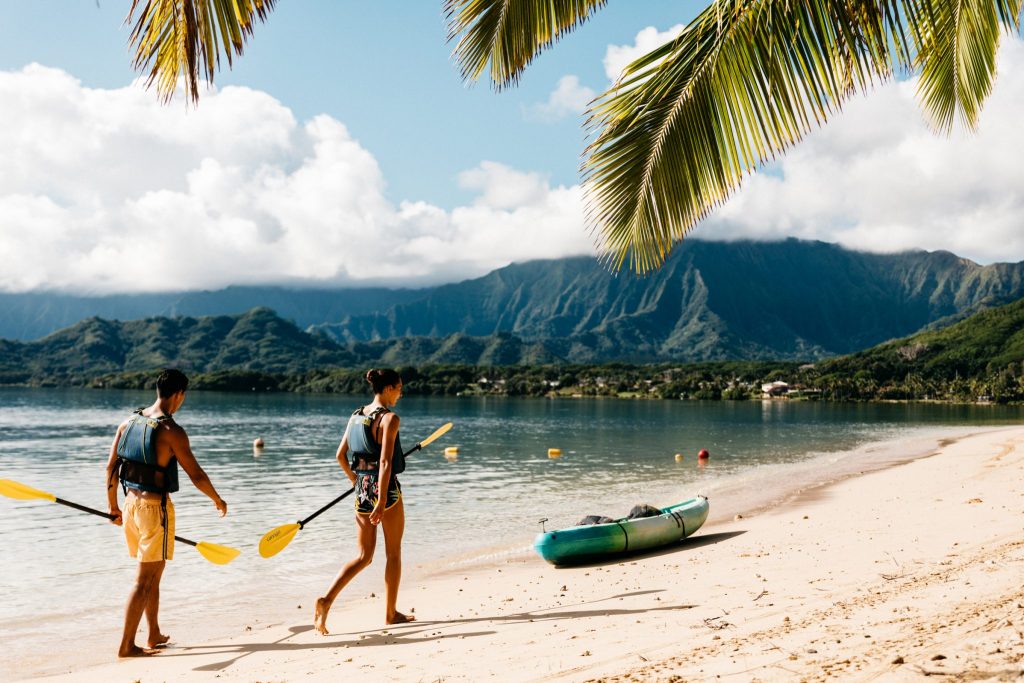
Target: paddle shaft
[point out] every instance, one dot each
(337, 500)
(100, 513)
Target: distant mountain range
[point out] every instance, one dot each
(983, 354)
(258, 340)
(711, 300)
(34, 315)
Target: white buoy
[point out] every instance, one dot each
(257, 442)
(554, 453)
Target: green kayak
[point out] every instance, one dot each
(596, 541)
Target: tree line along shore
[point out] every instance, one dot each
(979, 359)
(726, 380)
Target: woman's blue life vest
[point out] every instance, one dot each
(363, 444)
(136, 455)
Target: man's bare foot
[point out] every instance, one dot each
(159, 641)
(400, 618)
(320, 617)
(135, 651)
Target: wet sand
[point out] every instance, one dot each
(909, 570)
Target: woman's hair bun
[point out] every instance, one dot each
(379, 379)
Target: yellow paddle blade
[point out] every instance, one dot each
(18, 491)
(441, 431)
(218, 554)
(277, 540)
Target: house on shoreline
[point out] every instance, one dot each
(774, 390)
(787, 391)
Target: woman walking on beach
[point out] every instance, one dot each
(376, 458)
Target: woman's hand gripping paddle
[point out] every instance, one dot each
(218, 554)
(276, 540)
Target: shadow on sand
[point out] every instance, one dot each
(413, 632)
(691, 543)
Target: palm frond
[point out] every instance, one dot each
(744, 81)
(175, 39)
(508, 34)
(957, 42)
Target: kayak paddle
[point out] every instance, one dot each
(218, 554)
(276, 540)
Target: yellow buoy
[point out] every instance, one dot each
(679, 457)
(554, 452)
(451, 450)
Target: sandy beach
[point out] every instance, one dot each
(912, 570)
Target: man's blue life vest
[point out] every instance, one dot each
(136, 453)
(363, 443)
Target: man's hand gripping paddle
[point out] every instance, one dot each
(276, 540)
(218, 554)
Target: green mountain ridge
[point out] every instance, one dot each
(710, 301)
(34, 315)
(791, 299)
(980, 356)
(258, 340)
(988, 346)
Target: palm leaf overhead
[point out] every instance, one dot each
(185, 39)
(688, 121)
(957, 42)
(744, 81)
(509, 33)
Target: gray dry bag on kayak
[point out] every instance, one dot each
(594, 519)
(643, 510)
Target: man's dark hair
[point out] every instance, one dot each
(170, 382)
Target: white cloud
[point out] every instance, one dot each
(106, 190)
(876, 178)
(502, 187)
(569, 98)
(618, 57)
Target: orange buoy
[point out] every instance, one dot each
(554, 453)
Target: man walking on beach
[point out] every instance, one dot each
(145, 455)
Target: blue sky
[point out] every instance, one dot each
(343, 149)
(383, 68)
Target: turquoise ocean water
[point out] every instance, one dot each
(73, 567)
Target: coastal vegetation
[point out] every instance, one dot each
(980, 358)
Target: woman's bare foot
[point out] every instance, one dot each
(400, 618)
(320, 617)
(135, 651)
(159, 640)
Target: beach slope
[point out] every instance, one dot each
(915, 569)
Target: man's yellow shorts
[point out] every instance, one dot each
(149, 528)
